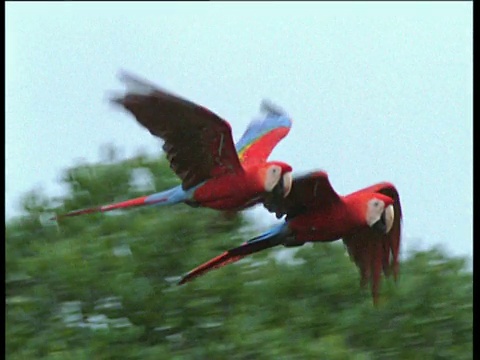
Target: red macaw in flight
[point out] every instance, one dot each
(215, 172)
(368, 221)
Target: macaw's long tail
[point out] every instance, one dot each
(168, 197)
(271, 238)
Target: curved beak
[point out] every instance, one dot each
(286, 183)
(284, 186)
(385, 223)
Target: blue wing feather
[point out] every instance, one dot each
(259, 127)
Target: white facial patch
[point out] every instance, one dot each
(273, 175)
(374, 211)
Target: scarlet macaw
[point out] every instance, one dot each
(368, 221)
(215, 172)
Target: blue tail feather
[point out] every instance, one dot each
(276, 233)
(168, 197)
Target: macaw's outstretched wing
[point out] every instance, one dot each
(262, 135)
(198, 143)
(309, 192)
(372, 251)
(269, 239)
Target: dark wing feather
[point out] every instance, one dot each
(197, 142)
(373, 252)
(309, 192)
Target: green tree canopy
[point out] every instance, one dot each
(103, 286)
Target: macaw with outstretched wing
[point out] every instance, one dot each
(215, 173)
(368, 221)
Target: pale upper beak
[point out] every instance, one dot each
(385, 223)
(287, 180)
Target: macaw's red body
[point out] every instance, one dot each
(215, 172)
(368, 221)
(235, 191)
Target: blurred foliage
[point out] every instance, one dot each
(103, 286)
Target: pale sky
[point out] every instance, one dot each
(377, 91)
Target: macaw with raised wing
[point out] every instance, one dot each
(368, 221)
(214, 172)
